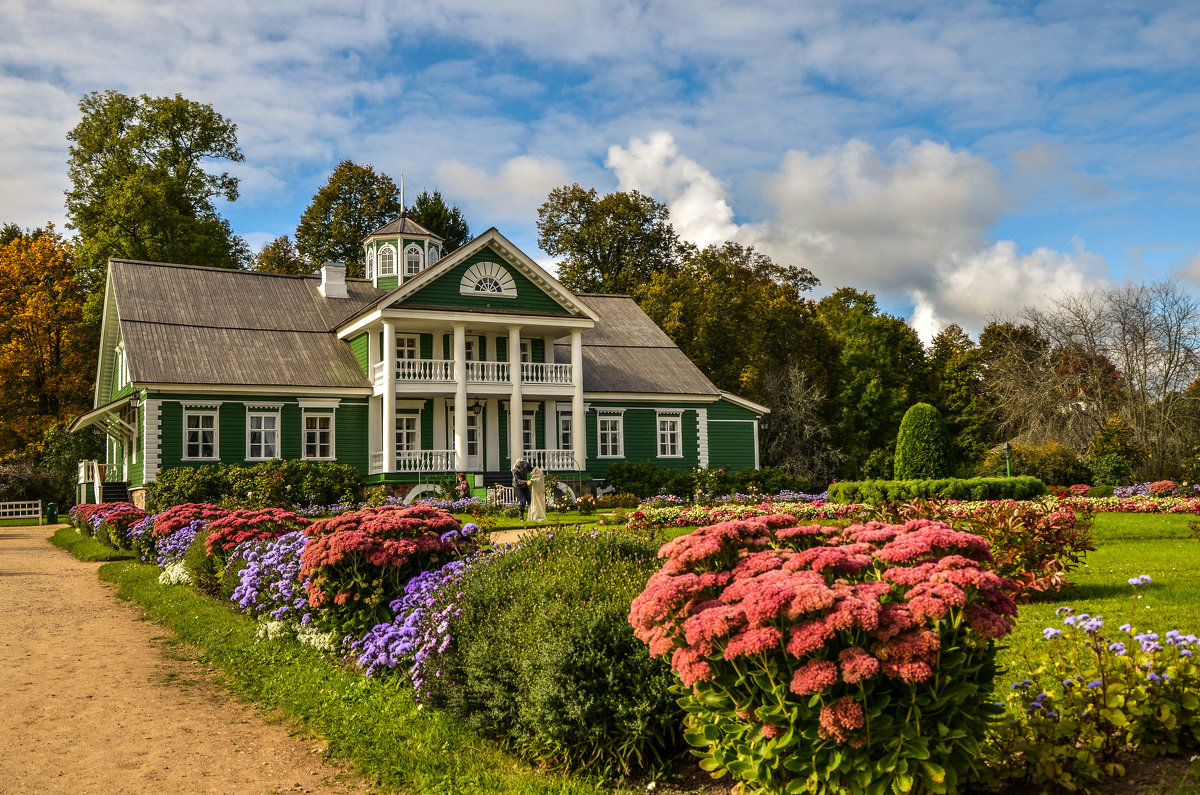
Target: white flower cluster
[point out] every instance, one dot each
(305, 633)
(175, 573)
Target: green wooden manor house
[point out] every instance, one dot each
(431, 364)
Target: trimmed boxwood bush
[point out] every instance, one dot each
(923, 445)
(543, 657)
(644, 479)
(271, 484)
(878, 492)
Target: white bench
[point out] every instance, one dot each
(21, 509)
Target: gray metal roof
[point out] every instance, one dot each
(403, 226)
(628, 352)
(192, 325)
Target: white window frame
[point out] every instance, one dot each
(262, 413)
(413, 434)
(413, 248)
(435, 253)
(565, 435)
(408, 343)
(526, 351)
(370, 263)
(214, 414)
(472, 347)
(672, 445)
(528, 433)
(389, 250)
(304, 431)
(605, 447)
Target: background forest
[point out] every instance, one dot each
(1103, 387)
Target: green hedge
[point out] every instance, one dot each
(271, 484)
(644, 479)
(879, 492)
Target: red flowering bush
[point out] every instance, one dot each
(837, 660)
(1163, 488)
(356, 563)
(180, 516)
(263, 524)
(1035, 544)
(81, 515)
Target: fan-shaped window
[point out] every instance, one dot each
(412, 260)
(488, 278)
(370, 263)
(387, 261)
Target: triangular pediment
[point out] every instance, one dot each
(487, 274)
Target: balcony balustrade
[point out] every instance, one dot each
(441, 371)
(416, 461)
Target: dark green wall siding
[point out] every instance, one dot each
(445, 291)
(640, 430)
(350, 430)
(359, 346)
(724, 410)
(731, 445)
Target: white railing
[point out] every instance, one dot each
(442, 371)
(506, 495)
(487, 372)
(425, 370)
(415, 461)
(424, 460)
(551, 460)
(545, 373)
(21, 509)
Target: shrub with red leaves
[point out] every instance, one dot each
(356, 563)
(1163, 488)
(182, 515)
(816, 651)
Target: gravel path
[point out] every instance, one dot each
(92, 699)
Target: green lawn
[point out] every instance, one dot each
(1127, 545)
(516, 523)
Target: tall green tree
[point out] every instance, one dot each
(140, 183)
(614, 243)
(446, 221)
(354, 202)
(884, 372)
(956, 379)
(280, 256)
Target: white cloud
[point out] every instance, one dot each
(654, 166)
(516, 190)
(909, 223)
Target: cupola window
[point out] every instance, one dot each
(387, 261)
(413, 259)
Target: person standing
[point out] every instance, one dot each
(462, 489)
(520, 481)
(537, 496)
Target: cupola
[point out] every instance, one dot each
(398, 251)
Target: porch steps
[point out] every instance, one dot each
(114, 492)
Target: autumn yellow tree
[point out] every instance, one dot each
(47, 350)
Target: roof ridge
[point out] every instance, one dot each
(214, 269)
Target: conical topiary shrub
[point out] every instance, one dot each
(923, 445)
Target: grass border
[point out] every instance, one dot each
(373, 723)
(87, 548)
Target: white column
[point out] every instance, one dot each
(756, 427)
(517, 403)
(551, 424)
(389, 397)
(578, 427)
(460, 396)
(373, 354)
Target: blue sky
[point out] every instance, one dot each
(961, 160)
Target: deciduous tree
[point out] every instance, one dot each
(615, 243)
(280, 256)
(139, 183)
(956, 376)
(47, 358)
(354, 202)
